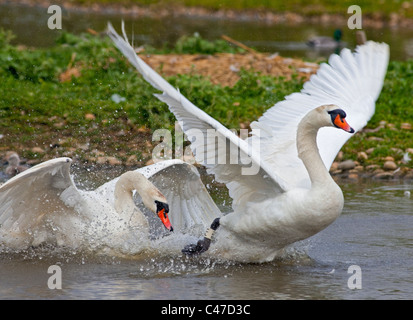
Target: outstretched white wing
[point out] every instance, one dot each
(191, 208)
(32, 197)
(228, 157)
(352, 81)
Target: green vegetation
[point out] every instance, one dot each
(39, 107)
(373, 8)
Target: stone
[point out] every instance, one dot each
(132, 160)
(334, 166)
(346, 165)
(362, 155)
(406, 126)
(113, 161)
(384, 176)
(90, 116)
(37, 150)
(353, 176)
(389, 165)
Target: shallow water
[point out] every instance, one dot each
(30, 27)
(374, 232)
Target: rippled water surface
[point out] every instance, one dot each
(374, 232)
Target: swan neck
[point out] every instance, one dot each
(308, 152)
(123, 197)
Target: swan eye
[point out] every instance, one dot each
(161, 205)
(338, 120)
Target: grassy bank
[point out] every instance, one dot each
(81, 99)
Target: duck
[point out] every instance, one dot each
(278, 178)
(14, 167)
(324, 42)
(42, 205)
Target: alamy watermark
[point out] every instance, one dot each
(55, 280)
(355, 21)
(55, 20)
(354, 281)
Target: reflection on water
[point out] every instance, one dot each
(30, 26)
(374, 232)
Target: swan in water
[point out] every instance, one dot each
(292, 195)
(43, 205)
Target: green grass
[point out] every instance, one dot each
(36, 109)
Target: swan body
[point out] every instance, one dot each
(290, 196)
(43, 205)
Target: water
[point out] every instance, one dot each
(30, 27)
(374, 232)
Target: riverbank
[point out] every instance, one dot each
(397, 14)
(81, 99)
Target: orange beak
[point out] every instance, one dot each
(163, 215)
(342, 124)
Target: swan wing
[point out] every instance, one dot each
(232, 160)
(191, 208)
(352, 81)
(31, 198)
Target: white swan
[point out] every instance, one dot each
(292, 196)
(42, 205)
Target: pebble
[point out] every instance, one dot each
(90, 116)
(389, 165)
(362, 155)
(346, 165)
(383, 175)
(113, 161)
(132, 160)
(406, 126)
(37, 150)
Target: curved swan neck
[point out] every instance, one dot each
(123, 196)
(308, 150)
(133, 180)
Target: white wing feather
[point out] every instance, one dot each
(191, 208)
(33, 197)
(240, 185)
(351, 81)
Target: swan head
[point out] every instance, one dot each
(152, 198)
(336, 117)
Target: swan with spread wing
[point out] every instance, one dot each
(291, 196)
(43, 205)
